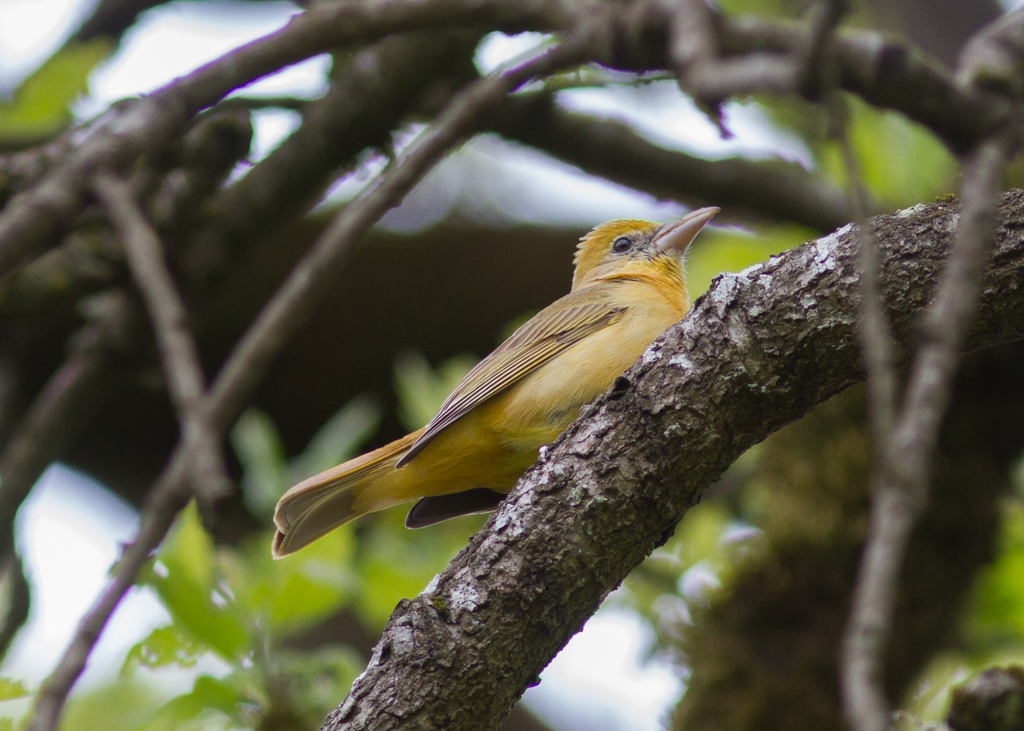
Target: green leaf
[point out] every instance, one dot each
(170, 645)
(289, 595)
(396, 563)
(11, 689)
(338, 439)
(207, 694)
(258, 445)
(317, 680)
(184, 578)
(124, 705)
(40, 106)
(421, 389)
(997, 606)
(733, 250)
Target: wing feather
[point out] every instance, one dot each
(551, 331)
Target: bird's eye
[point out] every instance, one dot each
(621, 245)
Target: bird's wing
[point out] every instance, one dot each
(551, 331)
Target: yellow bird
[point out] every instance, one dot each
(628, 287)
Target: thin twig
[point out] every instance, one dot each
(694, 52)
(814, 75)
(281, 317)
(61, 407)
(232, 103)
(166, 498)
(54, 418)
(876, 339)
(19, 599)
(904, 474)
(178, 351)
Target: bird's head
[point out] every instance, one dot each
(628, 248)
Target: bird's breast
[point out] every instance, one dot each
(545, 402)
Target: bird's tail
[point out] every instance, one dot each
(343, 493)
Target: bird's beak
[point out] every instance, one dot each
(679, 233)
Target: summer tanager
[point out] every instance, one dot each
(628, 287)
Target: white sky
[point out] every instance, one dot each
(70, 527)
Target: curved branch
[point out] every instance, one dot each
(179, 354)
(758, 351)
(369, 97)
(19, 600)
(611, 149)
(61, 407)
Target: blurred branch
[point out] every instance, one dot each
(249, 103)
(370, 95)
(694, 51)
(90, 258)
(111, 18)
(885, 73)
(19, 599)
(285, 312)
(875, 338)
(62, 406)
(755, 353)
(909, 434)
(809, 493)
(994, 58)
(59, 411)
(815, 67)
(749, 55)
(612, 150)
(179, 354)
(904, 470)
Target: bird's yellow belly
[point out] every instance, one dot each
(495, 443)
(550, 398)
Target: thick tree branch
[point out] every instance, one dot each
(758, 351)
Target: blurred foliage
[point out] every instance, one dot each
(268, 474)
(241, 607)
(420, 389)
(40, 107)
(901, 162)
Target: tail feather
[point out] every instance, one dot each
(324, 502)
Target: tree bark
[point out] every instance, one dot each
(757, 352)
